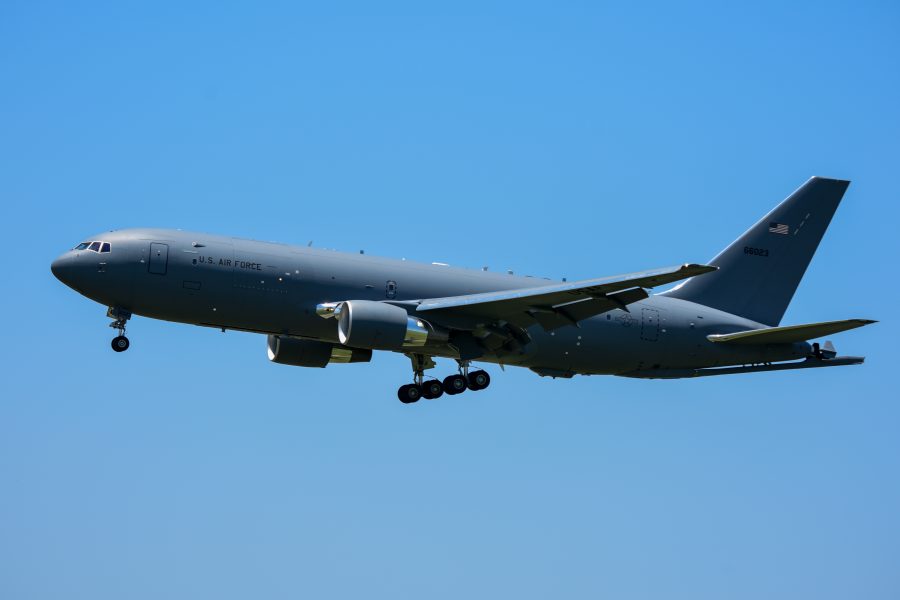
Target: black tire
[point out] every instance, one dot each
(432, 390)
(455, 384)
(478, 380)
(120, 343)
(409, 393)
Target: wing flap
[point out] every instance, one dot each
(570, 313)
(789, 334)
(562, 303)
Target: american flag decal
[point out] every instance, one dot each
(779, 228)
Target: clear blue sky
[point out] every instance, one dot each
(574, 140)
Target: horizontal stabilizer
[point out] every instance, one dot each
(811, 362)
(789, 334)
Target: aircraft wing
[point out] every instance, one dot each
(561, 304)
(789, 334)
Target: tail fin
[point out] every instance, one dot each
(759, 272)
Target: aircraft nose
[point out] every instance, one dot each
(63, 268)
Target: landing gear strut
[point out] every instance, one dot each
(120, 317)
(457, 384)
(420, 388)
(471, 380)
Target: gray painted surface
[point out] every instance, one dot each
(274, 289)
(760, 271)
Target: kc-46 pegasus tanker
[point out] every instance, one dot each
(319, 307)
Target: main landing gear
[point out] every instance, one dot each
(433, 389)
(119, 343)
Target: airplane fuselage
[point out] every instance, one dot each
(273, 288)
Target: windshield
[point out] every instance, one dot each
(96, 246)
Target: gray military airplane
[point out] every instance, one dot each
(319, 307)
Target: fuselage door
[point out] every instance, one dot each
(159, 258)
(649, 324)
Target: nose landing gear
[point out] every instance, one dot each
(119, 343)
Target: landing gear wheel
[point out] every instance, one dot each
(478, 380)
(409, 393)
(432, 390)
(120, 343)
(455, 384)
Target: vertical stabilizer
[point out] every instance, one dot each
(760, 271)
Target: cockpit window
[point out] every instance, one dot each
(94, 246)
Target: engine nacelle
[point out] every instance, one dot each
(311, 353)
(380, 326)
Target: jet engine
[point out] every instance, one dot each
(311, 353)
(380, 326)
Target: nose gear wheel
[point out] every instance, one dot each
(120, 317)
